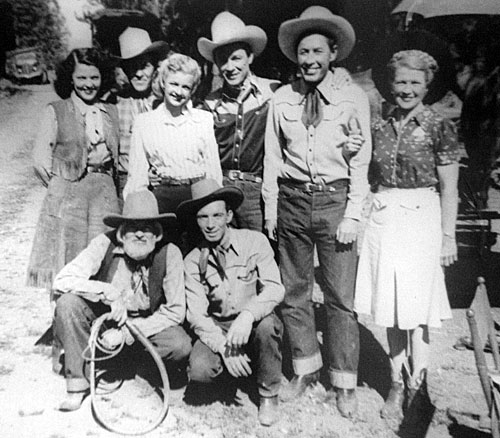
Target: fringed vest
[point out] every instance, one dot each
(69, 156)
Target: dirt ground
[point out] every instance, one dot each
(29, 390)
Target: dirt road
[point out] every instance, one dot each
(29, 391)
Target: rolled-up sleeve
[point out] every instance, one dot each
(359, 163)
(197, 305)
(271, 291)
(75, 277)
(173, 311)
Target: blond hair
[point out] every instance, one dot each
(414, 60)
(183, 63)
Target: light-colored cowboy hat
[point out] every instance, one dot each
(227, 28)
(140, 206)
(136, 42)
(204, 192)
(322, 20)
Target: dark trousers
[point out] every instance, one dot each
(306, 220)
(170, 196)
(73, 321)
(250, 213)
(263, 349)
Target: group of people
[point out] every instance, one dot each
(259, 163)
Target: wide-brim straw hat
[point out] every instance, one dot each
(227, 28)
(141, 206)
(321, 20)
(135, 42)
(204, 192)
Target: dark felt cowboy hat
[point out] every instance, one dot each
(227, 28)
(141, 206)
(135, 42)
(206, 191)
(316, 19)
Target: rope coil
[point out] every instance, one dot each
(94, 345)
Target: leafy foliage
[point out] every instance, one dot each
(39, 23)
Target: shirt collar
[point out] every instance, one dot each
(419, 115)
(188, 113)
(325, 88)
(82, 107)
(250, 82)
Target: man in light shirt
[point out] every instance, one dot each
(131, 274)
(316, 160)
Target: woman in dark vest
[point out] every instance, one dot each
(75, 156)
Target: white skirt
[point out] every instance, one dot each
(400, 281)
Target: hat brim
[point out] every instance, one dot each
(167, 220)
(254, 36)
(414, 40)
(291, 30)
(158, 48)
(231, 195)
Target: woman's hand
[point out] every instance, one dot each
(354, 139)
(449, 253)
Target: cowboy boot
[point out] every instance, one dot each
(393, 406)
(417, 396)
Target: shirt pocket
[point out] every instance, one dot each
(291, 123)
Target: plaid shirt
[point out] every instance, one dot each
(128, 109)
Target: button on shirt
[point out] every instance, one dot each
(174, 147)
(251, 283)
(408, 159)
(314, 155)
(76, 276)
(240, 123)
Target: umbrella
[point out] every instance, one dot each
(437, 8)
(419, 40)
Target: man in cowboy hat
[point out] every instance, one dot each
(232, 288)
(239, 109)
(130, 273)
(317, 153)
(139, 61)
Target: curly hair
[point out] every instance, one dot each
(183, 63)
(63, 84)
(414, 60)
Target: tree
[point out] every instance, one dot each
(40, 23)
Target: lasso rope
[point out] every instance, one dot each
(108, 354)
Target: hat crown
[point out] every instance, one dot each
(316, 12)
(226, 26)
(133, 41)
(203, 188)
(140, 205)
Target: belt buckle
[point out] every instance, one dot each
(310, 187)
(234, 174)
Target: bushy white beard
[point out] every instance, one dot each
(138, 250)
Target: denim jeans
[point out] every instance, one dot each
(250, 213)
(73, 320)
(263, 349)
(306, 220)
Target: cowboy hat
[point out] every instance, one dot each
(204, 192)
(136, 42)
(227, 28)
(140, 206)
(322, 20)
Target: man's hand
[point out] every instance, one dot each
(236, 362)
(111, 338)
(448, 251)
(118, 311)
(347, 231)
(271, 225)
(240, 330)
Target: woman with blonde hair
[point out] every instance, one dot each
(410, 233)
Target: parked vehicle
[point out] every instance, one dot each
(26, 65)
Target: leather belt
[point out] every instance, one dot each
(313, 187)
(234, 175)
(168, 181)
